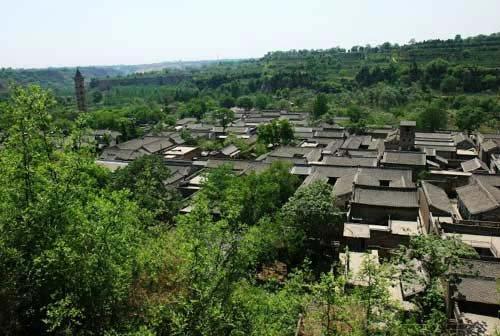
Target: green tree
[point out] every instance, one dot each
(375, 294)
(225, 116)
(356, 113)
(449, 84)
(435, 71)
(245, 102)
(320, 106)
(97, 96)
(276, 132)
(328, 294)
(311, 213)
(69, 250)
(438, 257)
(469, 118)
(145, 178)
(433, 117)
(261, 102)
(227, 102)
(490, 82)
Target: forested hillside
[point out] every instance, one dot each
(450, 84)
(61, 79)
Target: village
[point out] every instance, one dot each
(390, 183)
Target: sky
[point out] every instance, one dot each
(43, 33)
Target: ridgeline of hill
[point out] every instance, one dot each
(443, 84)
(61, 79)
(299, 66)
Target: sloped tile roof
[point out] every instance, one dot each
(386, 197)
(436, 197)
(479, 197)
(404, 158)
(473, 164)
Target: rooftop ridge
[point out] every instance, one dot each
(490, 196)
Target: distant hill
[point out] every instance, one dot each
(275, 69)
(61, 79)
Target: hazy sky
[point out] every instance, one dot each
(40, 33)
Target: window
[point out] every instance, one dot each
(332, 180)
(385, 183)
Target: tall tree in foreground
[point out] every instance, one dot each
(146, 180)
(311, 222)
(68, 250)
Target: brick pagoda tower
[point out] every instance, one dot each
(80, 91)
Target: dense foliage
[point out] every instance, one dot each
(84, 251)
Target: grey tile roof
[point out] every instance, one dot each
(303, 129)
(238, 130)
(230, 149)
(115, 153)
(330, 134)
(238, 165)
(436, 197)
(301, 170)
(177, 139)
(331, 127)
(333, 146)
(364, 153)
(135, 144)
(350, 161)
(478, 282)
(389, 174)
(345, 184)
(473, 164)
(335, 171)
(158, 145)
(404, 158)
(477, 290)
(376, 144)
(303, 135)
(430, 151)
(402, 182)
(291, 153)
(356, 141)
(460, 138)
(185, 121)
(323, 141)
(315, 176)
(495, 161)
(433, 143)
(476, 267)
(441, 159)
(433, 136)
(257, 120)
(386, 197)
(479, 197)
(438, 149)
(489, 145)
(397, 177)
(293, 160)
(493, 180)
